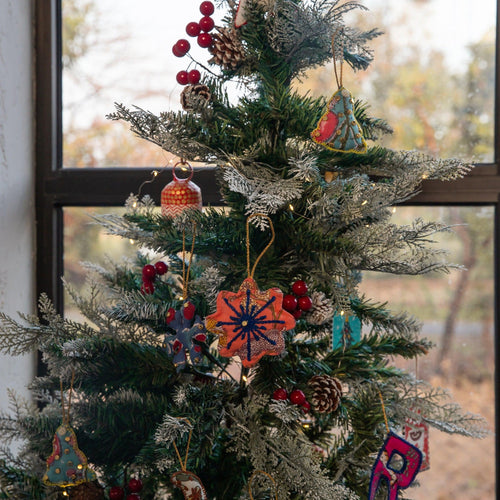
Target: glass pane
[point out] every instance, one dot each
(86, 241)
(457, 315)
(433, 75)
(120, 52)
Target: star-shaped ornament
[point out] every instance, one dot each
(188, 328)
(250, 323)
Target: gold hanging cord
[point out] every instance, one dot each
(184, 464)
(256, 473)
(66, 412)
(250, 274)
(338, 71)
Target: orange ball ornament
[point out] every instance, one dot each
(180, 194)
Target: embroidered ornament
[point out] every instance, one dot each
(180, 194)
(338, 129)
(67, 465)
(416, 432)
(190, 485)
(188, 482)
(346, 330)
(396, 476)
(250, 323)
(187, 329)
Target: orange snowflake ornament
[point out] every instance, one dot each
(250, 322)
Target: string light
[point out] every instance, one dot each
(290, 207)
(306, 426)
(131, 241)
(244, 378)
(364, 203)
(342, 312)
(424, 176)
(393, 210)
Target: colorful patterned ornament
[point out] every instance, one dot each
(250, 323)
(346, 330)
(67, 465)
(383, 469)
(187, 329)
(190, 485)
(416, 432)
(180, 194)
(338, 128)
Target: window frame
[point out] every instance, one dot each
(57, 187)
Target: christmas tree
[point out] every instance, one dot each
(236, 358)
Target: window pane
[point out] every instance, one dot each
(457, 315)
(120, 52)
(433, 75)
(85, 241)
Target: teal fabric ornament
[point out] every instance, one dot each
(67, 465)
(346, 330)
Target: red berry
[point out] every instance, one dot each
(207, 8)
(182, 78)
(305, 303)
(297, 313)
(205, 40)
(170, 315)
(188, 310)
(193, 29)
(290, 303)
(194, 76)
(299, 288)
(161, 268)
(206, 24)
(200, 337)
(133, 496)
(280, 394)
(135, 485)
(116, 493)
(306, 406)
(177, 52)
(297, 397)
(148, 272)
(147, 288)
(182, 47)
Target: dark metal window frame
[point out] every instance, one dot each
(57, 187)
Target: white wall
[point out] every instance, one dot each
(16, 181)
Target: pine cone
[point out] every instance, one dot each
(327, 392)
(322, 309)
(194, 95)
(227, 49)
(87, 491)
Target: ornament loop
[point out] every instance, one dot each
(184, 163)
(257, 472)
(250, 274)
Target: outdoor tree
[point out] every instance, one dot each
(228, 361)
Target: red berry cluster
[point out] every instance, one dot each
(298, 301)
(149, 273)
(200, 30)
(296, 397)
(134, 487)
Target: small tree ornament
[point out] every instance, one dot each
(250, 323)
(416, 432)
(327, 392)
(67, 465)
(180, 194)
(338, 129)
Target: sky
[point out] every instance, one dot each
(144, 60)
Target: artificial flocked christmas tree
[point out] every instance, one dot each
(232, 363)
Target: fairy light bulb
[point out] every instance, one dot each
(290, 207)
